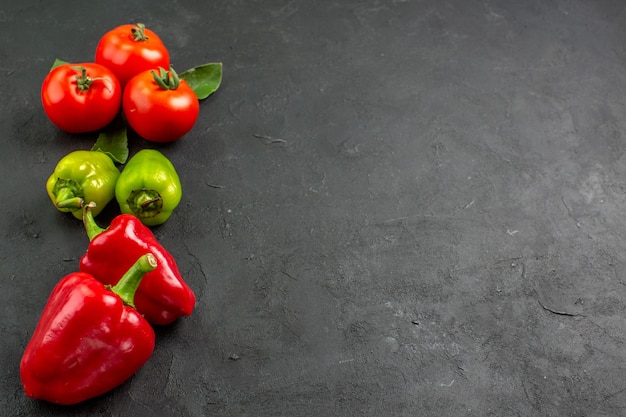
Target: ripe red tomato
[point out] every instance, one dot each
(160, 111)
(80, 98)
(128, 50)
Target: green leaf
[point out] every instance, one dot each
(113, 141)
(204, 79)
(57, 62)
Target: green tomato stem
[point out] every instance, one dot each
(139, 32)
(166, 80)
(83, 82)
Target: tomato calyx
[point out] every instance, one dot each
(139, 32)
(83, 81)
(166, 80)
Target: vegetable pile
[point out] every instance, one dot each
(96, 329)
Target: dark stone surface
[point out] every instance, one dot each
(420, 211)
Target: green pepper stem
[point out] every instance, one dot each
(68, 194)
(91, 227)
(128, 284)
(70, 203)
(62, 194)
(145, 202)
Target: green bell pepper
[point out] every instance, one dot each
(83, 176)
(149, 187)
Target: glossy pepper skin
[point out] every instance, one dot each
(149, 187)
(163, 295)
(82, 176)
(89, 338)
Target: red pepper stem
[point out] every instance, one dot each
(91, 227)
(128, 284)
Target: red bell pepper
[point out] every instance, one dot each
(163, 295)
(89, 338)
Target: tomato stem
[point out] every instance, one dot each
(139, 32)
(166, 80)
(82, 80)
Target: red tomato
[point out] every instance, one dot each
(157, 112)
(80, 98)
(128, 50)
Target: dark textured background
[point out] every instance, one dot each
(421, 212)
